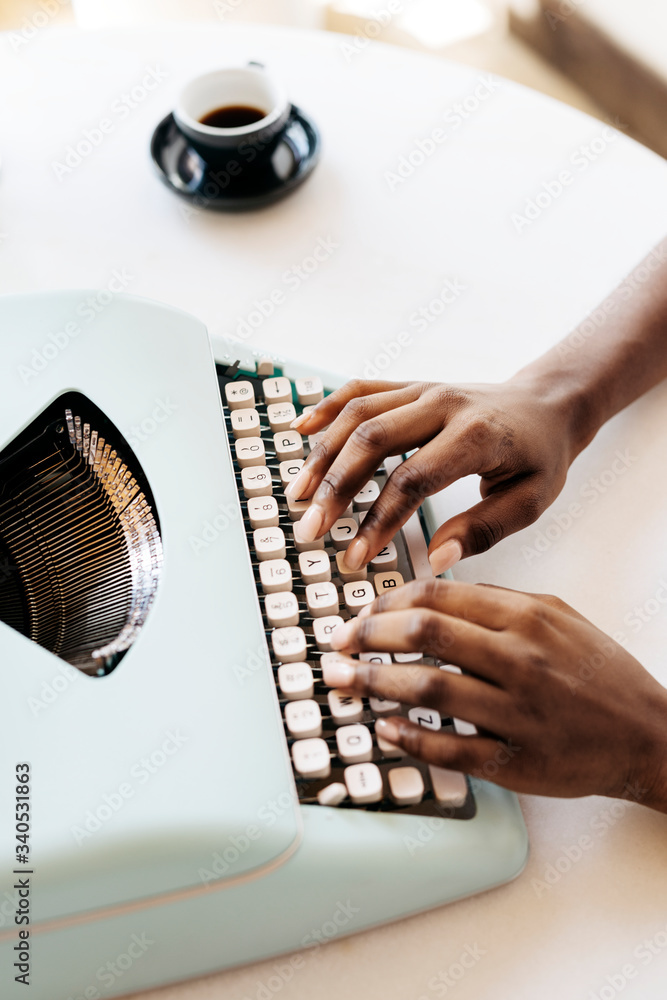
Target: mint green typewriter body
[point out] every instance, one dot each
(167, 834)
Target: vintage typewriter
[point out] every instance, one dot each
(181, 792)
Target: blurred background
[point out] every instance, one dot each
(606, 57)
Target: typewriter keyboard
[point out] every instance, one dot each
(305, 591)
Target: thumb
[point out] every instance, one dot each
(510, 508)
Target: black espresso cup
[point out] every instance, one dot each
(233, 118)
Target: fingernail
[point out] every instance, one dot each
(445, 556)
(299, 421)
(297, 487)
(340, 637)
(356, 553)
(335, 672)
(311, 523)
(365, 611)
(387, 730)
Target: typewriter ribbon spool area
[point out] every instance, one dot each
(80, 545)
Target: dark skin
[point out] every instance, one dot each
(596, 732)
(574, 728)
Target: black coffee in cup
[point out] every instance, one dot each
(233, 116)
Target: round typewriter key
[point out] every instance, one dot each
(406, 785)
(332, 795)
(240, 395)
(250, 452)
(282, 609)
(275, 575)
(322, 599)
(245, 423)
(288, 445)
(269, 543)
(263, 511)
(289, 644)
(257, 482)
(364, 783)
(296, 680)
(354, 743)
(280, 416)
(311, 758)
(303, 718)
(277, 389)
(309, 390)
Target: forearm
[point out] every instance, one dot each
(614, 356)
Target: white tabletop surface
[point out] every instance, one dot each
(451, 219)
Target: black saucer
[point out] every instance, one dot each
(184, 171)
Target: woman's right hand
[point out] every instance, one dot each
(518, 436)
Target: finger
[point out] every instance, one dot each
(328, 408)
(514, 506)
(427, 472)
(368, 445)
(357, 412)
(467, 754)
(558, 605)
(452, 695)
(481, 651)
(492, 607)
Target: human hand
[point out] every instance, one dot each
(575, 713)
(515, 435)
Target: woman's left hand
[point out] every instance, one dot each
(566, 709)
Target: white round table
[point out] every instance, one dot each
(414, 219)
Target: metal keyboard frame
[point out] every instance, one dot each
(412, 564)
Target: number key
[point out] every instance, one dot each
(263, 512)
(250, 452)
